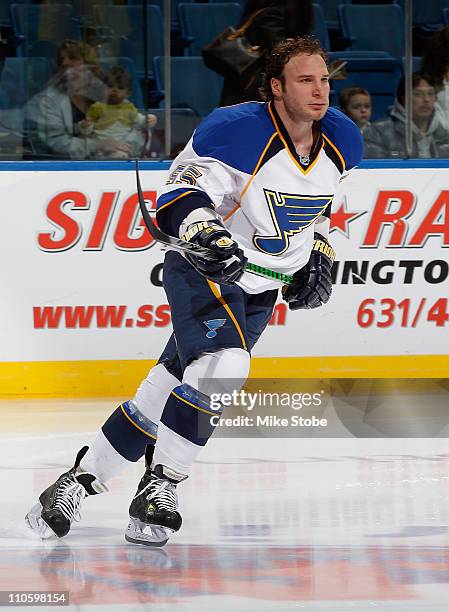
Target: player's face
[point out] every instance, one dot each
(359, 109)
(304, 91)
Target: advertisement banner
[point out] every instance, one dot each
(81, 278)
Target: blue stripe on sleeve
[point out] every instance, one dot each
(173, 207)
(235, 135)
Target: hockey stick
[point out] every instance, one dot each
(195, 249)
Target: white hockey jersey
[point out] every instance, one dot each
(241, 162)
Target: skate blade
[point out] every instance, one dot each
(138, 532)
(37, 524)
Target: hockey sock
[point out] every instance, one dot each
(153, 391)
(129, 431)
(187, 423)
(102, 459)
(133, 425)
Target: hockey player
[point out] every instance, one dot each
(256, 180)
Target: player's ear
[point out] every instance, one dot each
(276, 86)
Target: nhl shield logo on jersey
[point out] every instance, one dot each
(290, 214)
(213, 325)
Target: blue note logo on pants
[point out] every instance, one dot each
(213, 325)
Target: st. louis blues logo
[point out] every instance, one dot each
(213, 325)
(291, 214)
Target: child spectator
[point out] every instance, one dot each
(355, 102)
(52, 113)
(117, 119)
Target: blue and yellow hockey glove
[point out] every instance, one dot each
(229, 262)
(312, 285)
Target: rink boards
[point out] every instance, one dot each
(83, 311)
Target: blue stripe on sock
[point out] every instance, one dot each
(129, 431)
(188, 413)
(139, 419)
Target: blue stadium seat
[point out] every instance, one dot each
(44, 28)
(5, 10)
(399, 2)
(122, 26)
(160, 4)
(241, 2)
(374, 27)
(128, 64)
(205, 21)
(183, 124)
(330, 10)
(174, 9)
(22, 78)
(428, 13)
(193, 85)
(446, 16)
(320, 26)
(416, 63)
(379, 75)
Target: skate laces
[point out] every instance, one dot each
(68, 499)
(163, 492)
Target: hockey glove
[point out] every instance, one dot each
(227, 263)
(312, 285)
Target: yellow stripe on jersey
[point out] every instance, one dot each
(295, 161)
(340, 156)
(174, 200)
(216, 291)
(255, 171)
(257, 165)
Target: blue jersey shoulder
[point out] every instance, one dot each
(235, 135)
(345, 135)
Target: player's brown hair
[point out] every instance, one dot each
(347, 93)
(281, 54)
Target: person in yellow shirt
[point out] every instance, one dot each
(117, 119)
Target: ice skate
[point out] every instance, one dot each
(59, 505)
(153, 513)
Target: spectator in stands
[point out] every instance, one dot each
(117, 119)
(76, 84)
(435, 63)
(386, 138)
(280, 19)
(355, 102)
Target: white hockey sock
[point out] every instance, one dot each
(174, 451)
(103, 460)
(153, 391)
(220, 372)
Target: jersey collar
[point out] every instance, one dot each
(288, 144)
